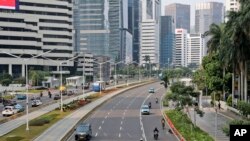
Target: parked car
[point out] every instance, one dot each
(145, 110)
(20, 96)
(64, 92)
(151, 90)
(57, 96)
(19, 108)
(9, 111)
(69, 93)
(36, 103)
(83, 132)
(86, 86)
(9, 103)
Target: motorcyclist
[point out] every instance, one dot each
(163, 123)
(156, 132)
(149, 104)
(156, 100)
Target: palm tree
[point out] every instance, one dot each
(147, 60)
(238, 31)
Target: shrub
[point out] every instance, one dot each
(43, 120)
(229, 100)
(226, 130)
(6, 82)
(15, 138)
(244, 108)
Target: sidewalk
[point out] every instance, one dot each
(59, 130)
(13, 124)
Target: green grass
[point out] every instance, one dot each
(31, 91)
(185, 126)
(20, 134)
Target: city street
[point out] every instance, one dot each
(120, 119)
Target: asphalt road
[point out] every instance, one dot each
(119, 119)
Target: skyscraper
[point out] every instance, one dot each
(120, 42)
(232, 5)
(195, 49)
(180, 14)
(167, 41)
(206, 14)
(91, 26)
(37, 27)
(134, 26)
(180, 49)
(150, 33)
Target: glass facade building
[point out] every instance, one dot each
(91, 26)
(167, 41)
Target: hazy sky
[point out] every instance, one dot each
(190, 2)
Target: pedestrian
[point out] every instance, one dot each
(219, 106)
(41, 94)
(49, 93)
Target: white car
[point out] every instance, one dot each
(35, 103)
(145, 110)
(9, 111)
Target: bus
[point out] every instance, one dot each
(99, 86)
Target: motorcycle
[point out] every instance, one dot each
(156, 135)
(156, 101)
(149, 105)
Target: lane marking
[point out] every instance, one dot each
(119, 135)
(100, 128)
(120, 128)
(103, 122)
(106, 117)
(121, 122)
(96, 134)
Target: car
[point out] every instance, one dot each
(35, 98)
(151, 90)
(145, 110)
(9, 103)
(83, 132)
(19, 108)
(20, 96)
(9, 111)
(57, 96)
(86, 86)
(36, 103)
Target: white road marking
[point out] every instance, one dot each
(103, 122)
(96, 134)
(119, 135)
(100, 127)
(121, 122)
(120, 128)
(106, 117)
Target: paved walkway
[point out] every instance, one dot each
(13, 124)
(60, 129)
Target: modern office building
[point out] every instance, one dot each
(134, 26)
(150, 31)
(180, 50)
(35, 28)
(232, 5)
(86, 60)
(180, 14)
(167, 41)
(195, 49)
(206, 14)
(119, 30)
(91, 26)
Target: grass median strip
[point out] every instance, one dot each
(186, 128)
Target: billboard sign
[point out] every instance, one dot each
(9, 4)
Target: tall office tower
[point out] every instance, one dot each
(206, 14)
(180, 50)
(91, 26)
(167, 41)
(180, 13)
(150, 33)
(35, 28)
(120, 39)
(232, 5)
(134, 27)
(195, 49)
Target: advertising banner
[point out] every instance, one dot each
(9, 4)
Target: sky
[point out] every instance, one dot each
(190, 2)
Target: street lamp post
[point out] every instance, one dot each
(101, 72)
(64, 61)
(27, 85)
(115, 72)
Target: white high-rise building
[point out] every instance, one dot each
(34, 29)
(150, 24)
(232, 5)
(195, 49)
(180, 50)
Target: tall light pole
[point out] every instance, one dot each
(115, 72)
(100, 64)
(61, 85)
(27, 85)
